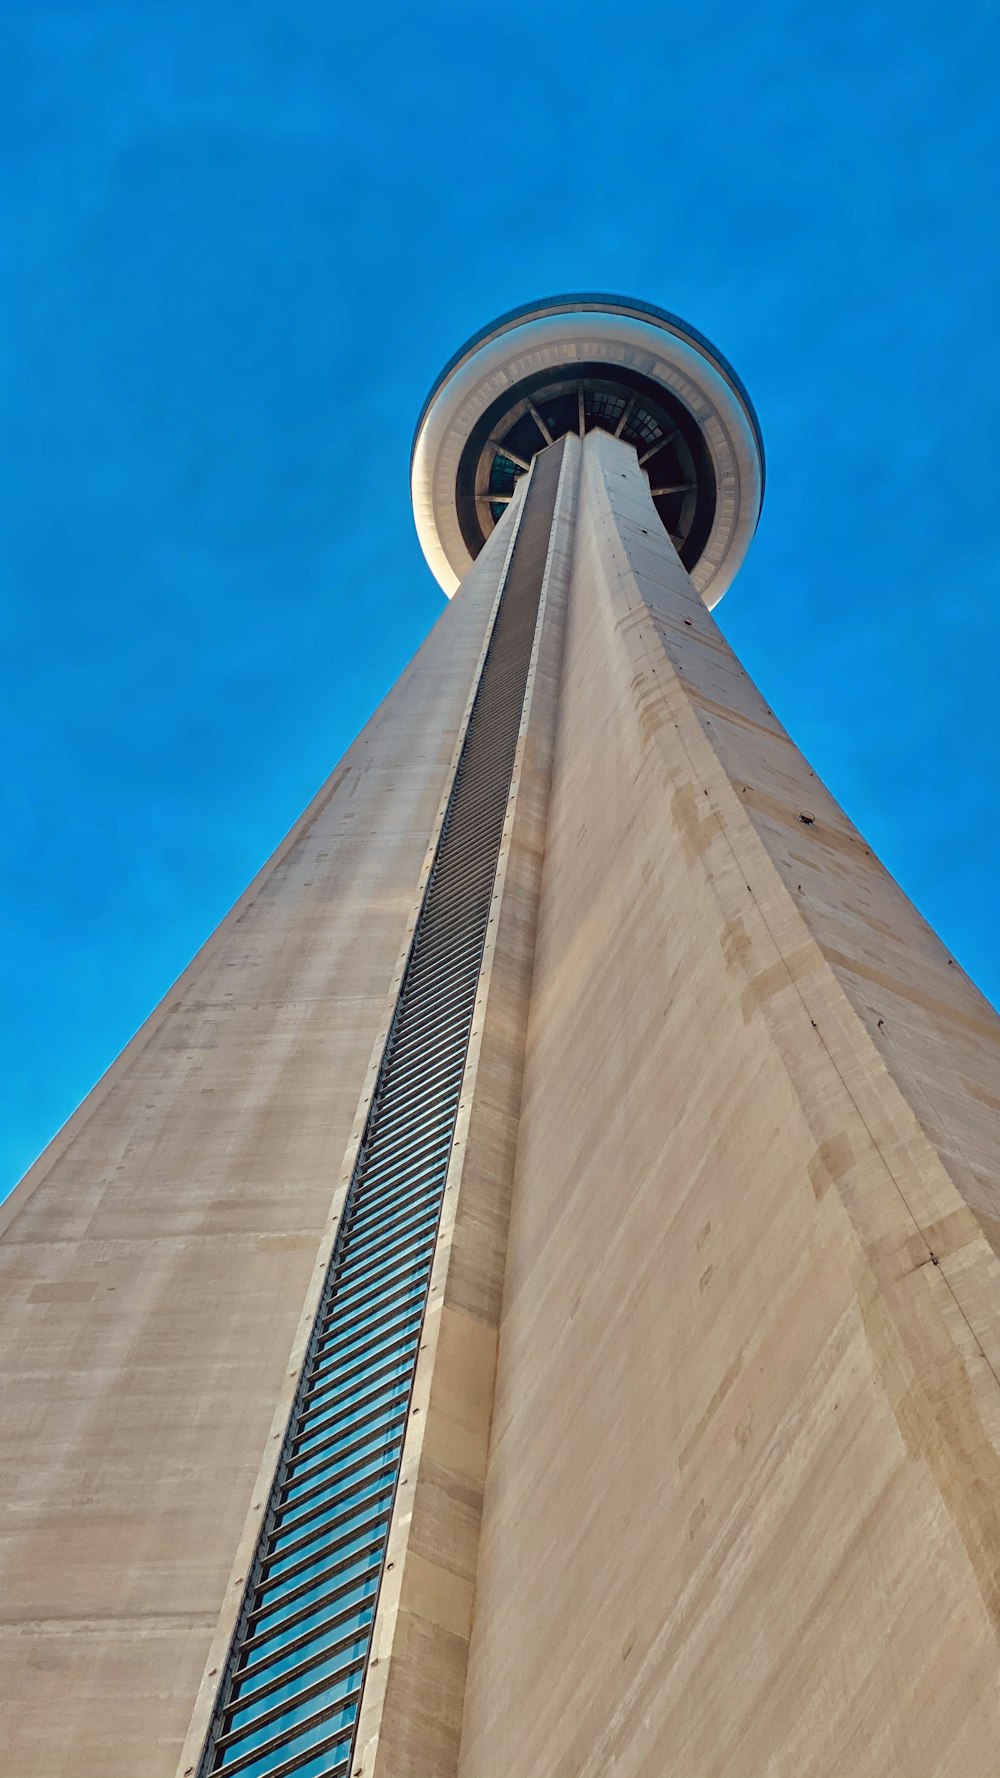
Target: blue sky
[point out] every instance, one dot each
(240, 240)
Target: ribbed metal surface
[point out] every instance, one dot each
(289, 1702)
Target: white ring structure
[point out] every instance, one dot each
(590, 330)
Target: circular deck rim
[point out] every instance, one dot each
(600, 303)
(685, 363)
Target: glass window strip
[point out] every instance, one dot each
(419, 1131)
(382, 1395)
(339, 1369)
(324, 1426)
(315, 1763)
(394, 1173)
(436, 1080)
(275, 1568)
(320, 1635)
(393, 1326)
(251, 1715)
(252, 1761)
(375, 1453)
(397, 1196)
(456, 944)
(340, 1343)
(396, 1187)
(450, 997)
(328, 1516)
(439, 1077)
(391, 1163)
(429, 1055)
(366, 1241)
(340, 1588)
(339, 1448)
(369, 1244)
(364, 1260)
(321, 1674)
(328, 1383)
(432, 1057)
(333, 1605)
(331, 1496)
(387, 1260)
(345, 1586)
(367, 1291)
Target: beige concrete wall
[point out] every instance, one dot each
(742, 1513)
(153, 1264)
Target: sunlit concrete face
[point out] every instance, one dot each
(697, 1468)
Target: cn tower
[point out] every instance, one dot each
(528, 1299)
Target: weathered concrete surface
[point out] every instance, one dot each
(742, 1513)
(154, 1262)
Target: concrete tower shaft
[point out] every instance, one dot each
(528, 1299)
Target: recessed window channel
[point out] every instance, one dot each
(289, 1701)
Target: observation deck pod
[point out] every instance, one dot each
(569, 364)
